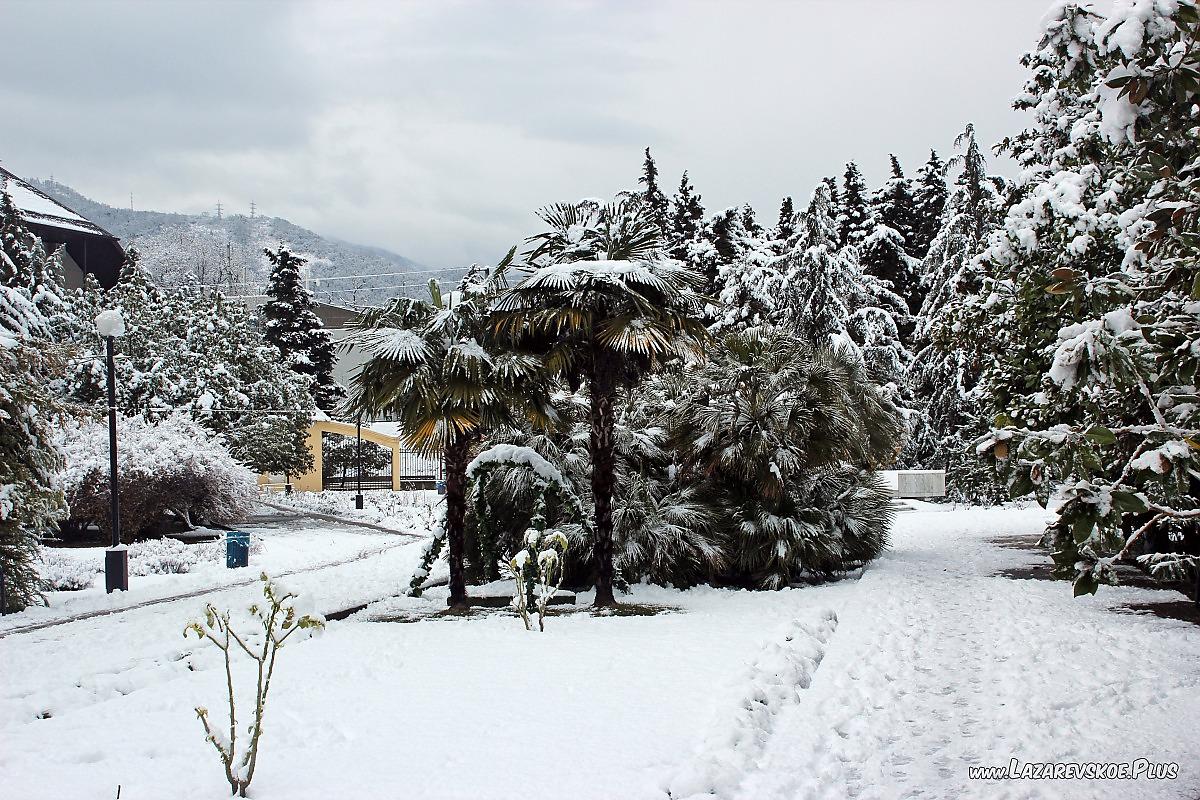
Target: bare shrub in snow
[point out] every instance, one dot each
(278, 620)
(171, 467)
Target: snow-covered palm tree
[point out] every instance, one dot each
(787, 434)
(437, 369)
(602, 304)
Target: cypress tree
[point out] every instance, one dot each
(656, 201)
(687, 239)
(293, 326)
(749, 223)
(787, 220)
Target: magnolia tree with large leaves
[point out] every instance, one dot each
(1100, 252)
(603, 306)
(438, 368)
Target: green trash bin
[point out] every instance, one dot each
(237, 549)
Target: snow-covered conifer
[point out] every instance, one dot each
(929, 201)
(954, 340)
(292, 325)
(853, 208)
(31, 497)
(659, 208)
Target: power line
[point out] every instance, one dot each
(333, 278)
(336, 291)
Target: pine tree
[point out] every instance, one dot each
(854, 217)
(929, 201)
(31, 497)
(32, 269)
(293, 326)
(883, 255)
(659, 208)
(744, 283)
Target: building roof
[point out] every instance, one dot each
(94, 249)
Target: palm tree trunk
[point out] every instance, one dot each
(603, 387)
(457, 451)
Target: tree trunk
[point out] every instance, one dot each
(603, 386)
(457, 451)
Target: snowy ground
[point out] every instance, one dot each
(931, 666)
(282, 545)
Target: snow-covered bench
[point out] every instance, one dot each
(915, 483)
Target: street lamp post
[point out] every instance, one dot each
(110, 325)
(358, 498)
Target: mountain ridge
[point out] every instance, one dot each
(179, 248)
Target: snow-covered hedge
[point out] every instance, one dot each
(61, 573)
(171, 467)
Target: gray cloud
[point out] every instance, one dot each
(435, 128)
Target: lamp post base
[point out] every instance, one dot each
(116, 569)
(358, 501)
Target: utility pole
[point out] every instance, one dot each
(252, 209)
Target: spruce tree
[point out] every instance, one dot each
(659, 208)
(293, 326)
(31, 497)
(929, 201)
(854, 217)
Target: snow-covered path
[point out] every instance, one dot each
(938, 665)
(932, 665)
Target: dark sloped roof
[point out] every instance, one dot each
(94, 249)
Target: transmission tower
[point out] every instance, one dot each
(218, 209)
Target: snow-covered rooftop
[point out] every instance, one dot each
(40, 208)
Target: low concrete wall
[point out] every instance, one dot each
(915, 483)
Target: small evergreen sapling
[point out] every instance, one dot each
(279, 621)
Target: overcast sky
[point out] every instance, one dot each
(435, 129)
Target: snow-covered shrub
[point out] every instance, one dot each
(273, 622)
(164, 557)
(170, 467)
(61, 573)
(783, 437)
(537, 572)
(508, 478)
